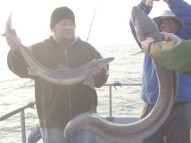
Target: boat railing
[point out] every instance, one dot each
(22, 117)
(115, 85)
(22, 109)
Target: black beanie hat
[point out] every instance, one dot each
(59, 14)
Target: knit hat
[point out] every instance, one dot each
(59, 14)
(167, 14)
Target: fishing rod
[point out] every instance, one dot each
(91, 24)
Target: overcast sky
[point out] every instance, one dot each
(31, 18)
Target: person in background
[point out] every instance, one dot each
(176, 129)
(173, 53)
(56, 104)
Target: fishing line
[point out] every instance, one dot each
(94, 106)
(91, 24)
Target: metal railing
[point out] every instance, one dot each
(22, 116)
(31, 105)
(115, 84)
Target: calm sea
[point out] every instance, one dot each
(16, 92)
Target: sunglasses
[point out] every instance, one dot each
(164, 21)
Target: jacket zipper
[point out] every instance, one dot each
(68, 87)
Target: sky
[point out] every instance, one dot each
(31, 18)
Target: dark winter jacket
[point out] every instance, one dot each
(57, 104)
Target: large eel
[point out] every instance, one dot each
(126, 133)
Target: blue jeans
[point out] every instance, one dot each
(56, 135)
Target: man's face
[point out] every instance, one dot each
(65, 30)
(169, 25)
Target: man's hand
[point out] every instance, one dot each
(13, 41)
(146, 43)
(97, 70)
(150, 2)
(171, 37)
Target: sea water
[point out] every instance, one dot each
(16, 92)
